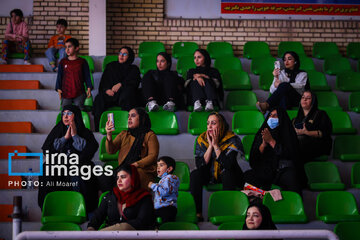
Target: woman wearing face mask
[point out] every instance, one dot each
(163, 86)
(274, 154)
(137, 146)
(127, 206)
(203, 83)
(216, 159)
(288, 85)
(118, 85)
(313, 128)
(70, 136)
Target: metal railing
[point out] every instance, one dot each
(203, 234)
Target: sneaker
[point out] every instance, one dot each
(2, 61)
(169, 106)
(197, 106)
(152, 106)
(209, 106)
(27, 62)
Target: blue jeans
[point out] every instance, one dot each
(50, 54)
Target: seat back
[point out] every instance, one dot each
(179, 226)
(265, 80)
(231, 226)
(106, 157)
(336, 203)
(181, 49)
(322, 172)
(148, 62)
(323, 50)
(60, 227)
(354, 102)
(247, 122)
(355, 175)
(291, 46)
(334, 65)
(85, 118)
(63, 206)
(197, 122)
(186, 210)
(347, 147)
(164, 123)
(241, 100)
(120, 121)
(182, 171)
(317, 81)
(234, 79)
(306, 63)
(328, 101)
(353, 50)
(347, 230)
(219, 49)
(150, 48)
(262, 64)
(292, 114)
(109, 59)
(227, 63)
(255, 49)
(348, 81)
(90, 62)
(184, 63)
(341, 122)
(247, 142)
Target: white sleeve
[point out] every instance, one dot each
(300, 82)
(282, 78)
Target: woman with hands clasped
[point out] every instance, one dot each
(137, 146)
(216, 159)
(313, 128)
(274, 155)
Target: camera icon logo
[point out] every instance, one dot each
(15, 153)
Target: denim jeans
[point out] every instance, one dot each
(50, 54)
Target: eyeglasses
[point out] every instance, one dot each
(67, 113)
(123, 54)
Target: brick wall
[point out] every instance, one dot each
(131, 22)
(42, 23)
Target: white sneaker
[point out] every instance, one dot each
(197, 106)
(27, 62)
(209, 106)
(152, 106)
(169, 106)
(2, 61)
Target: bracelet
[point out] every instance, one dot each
(217, 149)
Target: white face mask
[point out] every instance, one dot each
(273, 122)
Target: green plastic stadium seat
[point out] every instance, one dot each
(115, 108)
(291, 46)
(328, 101)
(148, 62)
(186, 210)
(114, 164)
(318, 81)
(84, 115)
(181, 49)
(65, 226)
(164, 123)
(347, 230)
(214, 187)
(355, 175)
(323, 176)
(354, 102)
(292, 114)
(120, 121)
(265, 80)
(90, 62)
(185, 63)
(103, 155)
(88, 103)
(288, 210)
(227, 206)
(236, 80)
(182, 171)
(241, 100)
(231, 226)
(336, 206)
(197, 122)
(219, 49)
(247, 142)
(353, 50)
(306, 63)
(346, 148)
(262, 64)
(179, 226)
(334, 65)
(348, 81)
(256, 49)
(150, 48)
(71, 209)
(224, 64)
(341, 122)
(247, 122)
(322, 50)
(109, 59)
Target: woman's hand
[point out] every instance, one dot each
(116, 87)
(266, 135)
(88, 93)
(135, 164)
(68, 133)
(201, 81)
(110, 92)
(215, 138)
(276, 73)
(276, 83)
(209, 138)
(302, 131)
(149, 185)
(59, 92)
(73, 128)
(109, 129)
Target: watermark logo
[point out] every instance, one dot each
(14, 154)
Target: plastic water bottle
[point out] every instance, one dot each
(30, 180)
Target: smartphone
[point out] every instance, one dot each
(111, 118)
(277, 64)
(299, 125)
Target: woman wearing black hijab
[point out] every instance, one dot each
(118, 86)
(163, 86)
(288, 85)
(70, 136)
(203, 83)
(137, 146)
(274, 154)
(313, 128)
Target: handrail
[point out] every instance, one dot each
(165, 234)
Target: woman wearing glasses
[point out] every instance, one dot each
(69, 137)
(118, 85)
